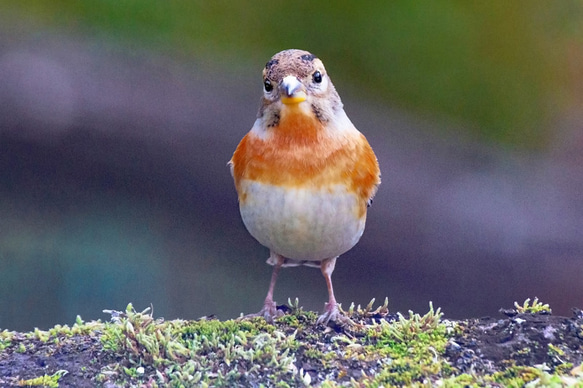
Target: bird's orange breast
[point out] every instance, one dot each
(301, 152)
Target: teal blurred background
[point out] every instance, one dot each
(117, 119)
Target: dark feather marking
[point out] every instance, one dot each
(319, 114)
(272, 62)
(308, 57)
(274, 120)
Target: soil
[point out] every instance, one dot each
(489, 344)
(480, 346)
(82, 356)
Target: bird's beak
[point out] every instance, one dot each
(292, 91)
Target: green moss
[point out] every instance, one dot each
(535, 307)
(413, 348)
(6, 339)
(207, 351)
(50, 381)
(378, 349)
(516, 376)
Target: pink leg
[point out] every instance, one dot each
(331, 312)
(269, 310)
(327, 268)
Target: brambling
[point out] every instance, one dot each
(304, 174)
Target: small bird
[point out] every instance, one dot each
(304, 174)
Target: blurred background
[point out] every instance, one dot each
(117, 120)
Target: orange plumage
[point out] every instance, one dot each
(304, 174)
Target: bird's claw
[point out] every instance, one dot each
(332, 313)
(269, 312)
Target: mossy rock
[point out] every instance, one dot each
(527, 346)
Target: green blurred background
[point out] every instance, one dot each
(117, 119)
(506, 68)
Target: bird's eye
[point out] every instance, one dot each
(317, 77)
(267, 85)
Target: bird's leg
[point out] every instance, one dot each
(269, 304)
(269, 310)
(331, 311)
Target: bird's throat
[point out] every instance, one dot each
(297, 126)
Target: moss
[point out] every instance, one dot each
(409, 350)
(206, 351)
(6, 339)
(535, 307)
(50, 381)
(516, 376)
(377, 349)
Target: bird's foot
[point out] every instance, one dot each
(332, 313)
(269, 312)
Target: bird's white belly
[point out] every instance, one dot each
(302, 223)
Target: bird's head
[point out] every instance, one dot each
(297, 79)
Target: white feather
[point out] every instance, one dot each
(302, 223)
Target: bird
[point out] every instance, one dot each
(304, 175)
